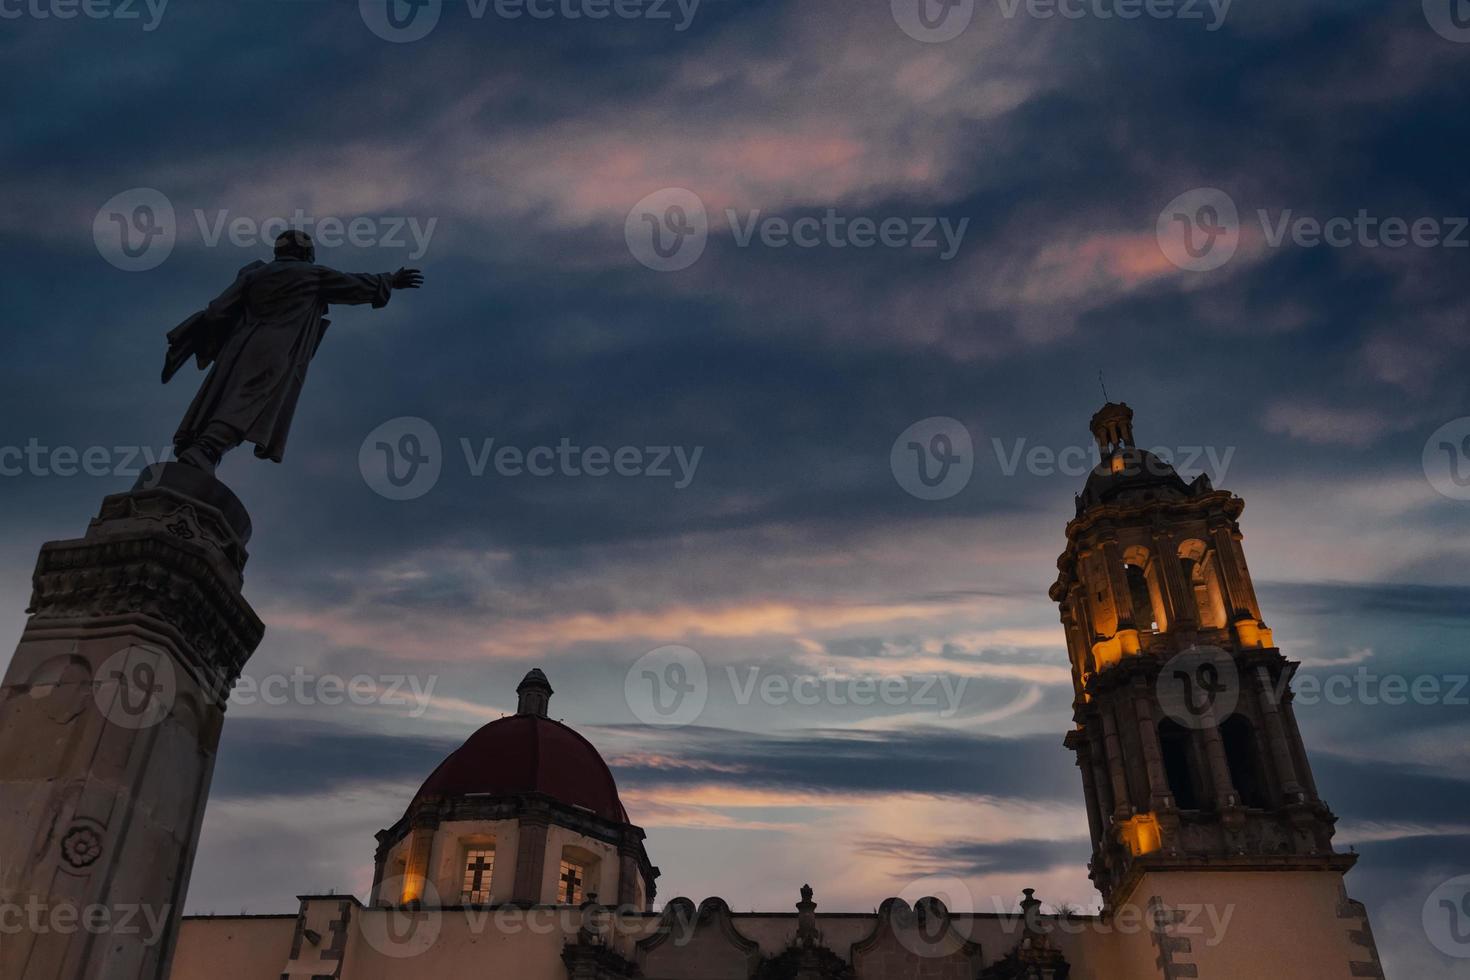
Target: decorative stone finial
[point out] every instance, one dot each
(535, 694)
(806, 919)
(1031, 911)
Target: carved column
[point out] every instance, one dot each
(1304, 766)
(530, 858)
(1101, 782)
(1238, 592)
(1122, 800)
(418, 886)
(1178, 591)
(110, 714)
(1220, 781)
(628, 874)
(1281, 754)
(1096, 816)
(1153, 755)
(1118, 582)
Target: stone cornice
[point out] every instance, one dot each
(157, 559)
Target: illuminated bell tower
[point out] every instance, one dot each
(1189, 750)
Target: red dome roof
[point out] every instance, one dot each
(527, 753)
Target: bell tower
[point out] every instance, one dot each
(1184, 733)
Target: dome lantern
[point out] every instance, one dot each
(534, 694)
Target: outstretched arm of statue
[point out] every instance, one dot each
(360, 287)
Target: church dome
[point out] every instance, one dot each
(1129, 474)
(529, 753)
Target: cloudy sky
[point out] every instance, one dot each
(1058, 197)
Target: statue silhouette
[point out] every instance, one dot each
(260, 334)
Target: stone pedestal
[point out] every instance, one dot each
(110, 714)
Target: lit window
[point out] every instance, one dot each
(569, 885)
(478, 867)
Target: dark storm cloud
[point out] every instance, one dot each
(260, 758)
(979, 858)
(891, 762)
(1367, 791)
(1059, 142)
(1423, 604)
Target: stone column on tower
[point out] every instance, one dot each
(110, 715)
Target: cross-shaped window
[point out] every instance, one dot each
(569, 885)
(478, 866)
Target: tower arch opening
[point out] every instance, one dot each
(1242, 756)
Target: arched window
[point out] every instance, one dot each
(1240, 754)
(1174, 740)
(1144, 589)
(1143, 603)
(577, 875)
(1203, 573)
(479, 868)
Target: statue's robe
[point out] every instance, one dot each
(260, 334)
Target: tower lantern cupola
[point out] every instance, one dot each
(533, 694)
(1112, 427)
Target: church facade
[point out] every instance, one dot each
(1212, 850)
